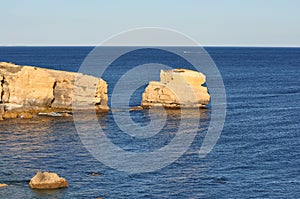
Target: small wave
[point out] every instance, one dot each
(14, 182)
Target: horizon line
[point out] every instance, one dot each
(72, 45)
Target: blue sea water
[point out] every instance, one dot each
(256, 156)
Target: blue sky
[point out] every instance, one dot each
(211, 22)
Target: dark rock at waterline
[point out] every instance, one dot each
(93, 174)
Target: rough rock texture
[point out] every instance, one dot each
(31, 88)
(25, 115)
(1, 111)
(47, 180)
(1, 87)
(177, 88)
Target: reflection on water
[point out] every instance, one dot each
(52, 144)
(174, 118)
(29, 136)
(53, 193)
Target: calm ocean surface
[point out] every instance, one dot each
(257, 154)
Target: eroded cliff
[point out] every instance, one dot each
(28, 88)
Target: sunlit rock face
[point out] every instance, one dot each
(178, 88)
(3, 185)
(47, 180)
(31, 88)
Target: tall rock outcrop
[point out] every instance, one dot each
(177, 88)
(30, 88)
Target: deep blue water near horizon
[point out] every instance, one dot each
(257, 154)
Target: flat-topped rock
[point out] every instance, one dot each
(32, 88)
(177, 88)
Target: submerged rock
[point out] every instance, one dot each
(177, 88)
(93, 174)
(28, 88)
(47, 180)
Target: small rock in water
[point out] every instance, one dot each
(137, 108)
(66, 114)
(221, 180)
(93, 174)
(3, 185)
(47, 180)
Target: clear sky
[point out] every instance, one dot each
(211, 22)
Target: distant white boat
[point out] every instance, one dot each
(191, 52)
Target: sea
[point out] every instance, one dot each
(257, 154)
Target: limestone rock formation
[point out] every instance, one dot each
(31, 88)
(178, 88)
(47, 180)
